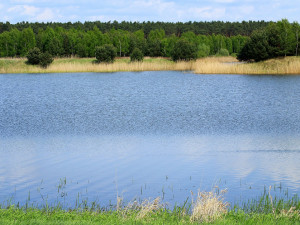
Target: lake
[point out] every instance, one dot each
(73, 137)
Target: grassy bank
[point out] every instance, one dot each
(207, 208)
(210, 65)
(287, 65)
(68, 65)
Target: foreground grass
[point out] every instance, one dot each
(35, 216)
(208, 208)
(209, 65)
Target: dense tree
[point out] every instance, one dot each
(136, 55)
(105, 53)
(45, 59)
(184, 50)
(34, 56)
(152, 38)
(257, 48)
(277, 39)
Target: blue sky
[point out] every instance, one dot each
(148, 10)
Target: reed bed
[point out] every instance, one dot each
(209, 65)
(280, 66)
(88, 65)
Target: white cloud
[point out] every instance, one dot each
(208, 13)
(30, 10)
(24, 10)
(47, 15)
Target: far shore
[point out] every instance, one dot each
(209, 65)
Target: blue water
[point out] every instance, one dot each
(91, 136)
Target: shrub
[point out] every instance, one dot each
(33, 56)
(184, 50)
(203, 50)
(136, 55)
(45, 59)
(105, 53)
(36, 57)
(223, 52)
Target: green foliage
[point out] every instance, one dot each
(223, 52)
(203, 50)
(276, 40)
(257, 48)
(45, 59)
(105, 53)
(36, 57)
(136, 55)
(152, 38)
(184, 50)
(33, 56)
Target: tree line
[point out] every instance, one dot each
(276, 40)
(244, 28)
(62, 42)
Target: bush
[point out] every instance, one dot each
(45, 59)
(33, 56)
(184, 50)
(136, 55)
(223, 52)
(203, 50)
(36, 57)
(105, 53)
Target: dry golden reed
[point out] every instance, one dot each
(143, 209)
(209, 65)
(208, 207)
(64, 66)
(229, 65)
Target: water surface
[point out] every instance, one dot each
(146, 134)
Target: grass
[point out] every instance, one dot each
(209, 65)
(65, 65)
(229, 65)
(208, 208)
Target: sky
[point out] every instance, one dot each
(148, 10)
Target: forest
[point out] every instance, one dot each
(152, 38)
(155, 39)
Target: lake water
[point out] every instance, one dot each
(90, 136)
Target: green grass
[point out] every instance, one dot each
(58, 216)
(264, 210)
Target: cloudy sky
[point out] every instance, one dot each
(148, 10)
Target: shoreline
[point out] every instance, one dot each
(209, 65)
(208, 208)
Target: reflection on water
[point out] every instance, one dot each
(146, 135)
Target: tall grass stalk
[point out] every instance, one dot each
(229, 65)
(209, 65)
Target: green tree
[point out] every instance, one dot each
(184, 50)
(136, 55)
(105, 53)
(27, 41)
(223, 52)
(34, 56)
(45, 59)
(256, 48)
(203, 50)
